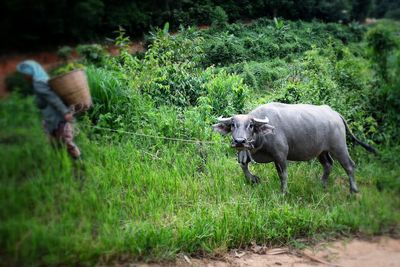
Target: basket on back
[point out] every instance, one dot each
(73, 89)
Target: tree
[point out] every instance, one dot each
(360, 9)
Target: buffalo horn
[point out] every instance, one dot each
(261, 121)
(224, 120)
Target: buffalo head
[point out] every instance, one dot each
(244, 129)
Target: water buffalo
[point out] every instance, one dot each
(279, 132)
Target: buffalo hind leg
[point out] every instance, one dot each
(327, 162)
(282, 172)
(244, 158)
(349, 166)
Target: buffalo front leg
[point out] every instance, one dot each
(327, 162)
(244, 158)
(282, 172)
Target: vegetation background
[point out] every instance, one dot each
(139, 196)
(37, 24)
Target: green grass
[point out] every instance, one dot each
(151, 200)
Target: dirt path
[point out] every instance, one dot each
(378, 252)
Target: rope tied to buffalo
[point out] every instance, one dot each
(193, 141)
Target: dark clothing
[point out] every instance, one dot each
(50, 105)
(53, 111)
(65, 134)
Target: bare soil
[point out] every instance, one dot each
(376, 252)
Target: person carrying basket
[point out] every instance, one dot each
(57, 118)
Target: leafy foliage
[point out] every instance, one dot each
(381, 43)
(64, 52)
(218, 17)
(92, 53)
(16, 82)
(225, 93)
(267, 39)
(130, 91)
(65, 68)
(44, 22)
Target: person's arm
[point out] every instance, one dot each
(43, 90)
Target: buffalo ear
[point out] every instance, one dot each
(265, 129)
(262, 126)
(222, 128)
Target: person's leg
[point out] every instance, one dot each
(52, 136)
(67, 135)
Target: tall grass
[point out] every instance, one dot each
(153, 203)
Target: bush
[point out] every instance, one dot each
(393, 14)
(17, 82)
(64, 53)
(218, 17)
(169, 72)
(381, 42)
(225, 93)
(262, 76)
(268, 39)
(88, 20)
(65, 68)
(224, 49)
(92, 53)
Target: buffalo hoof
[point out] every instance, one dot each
(324, 183)
(354, 190)
(254, 180)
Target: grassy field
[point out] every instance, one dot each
(152, 204)
(148, 199)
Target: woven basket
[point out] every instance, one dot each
(73, 89)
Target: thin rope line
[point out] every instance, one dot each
(194, 141)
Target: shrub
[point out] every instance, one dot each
(92, 53)
(16, 82)
(268, 39)
(219, 17)
(381, 43)
(169, 71)
(224, 49)
(64, 53)
(65, 68)
(393, 14)
(262, 76)
(225, 93)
